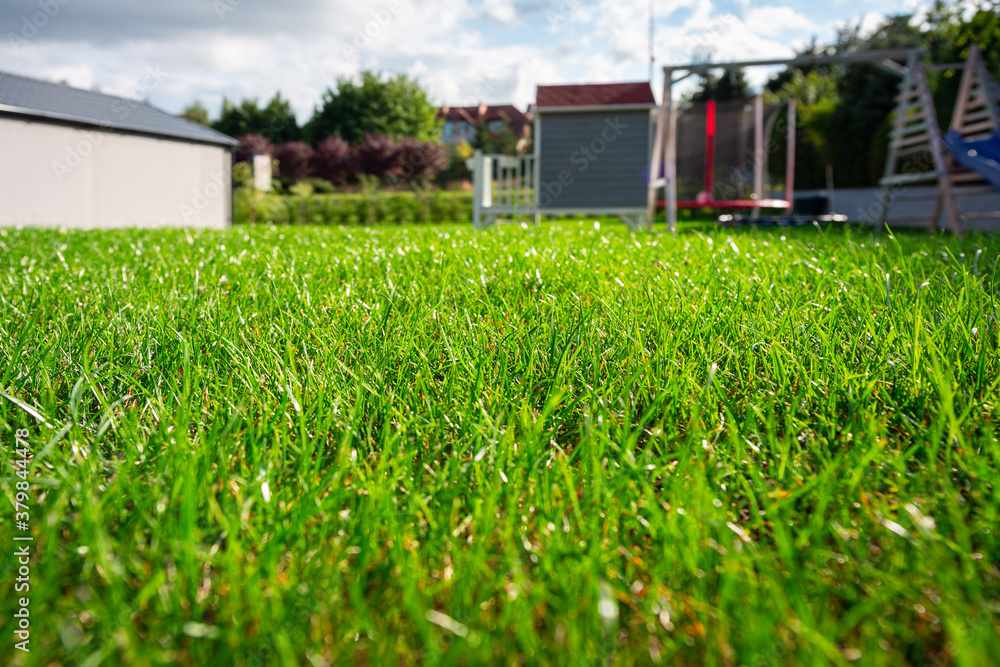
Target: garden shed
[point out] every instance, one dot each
(79, 158)
(592, 147)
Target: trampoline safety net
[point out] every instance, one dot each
(733, 165)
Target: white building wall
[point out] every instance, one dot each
(862, 205)
(57, 175)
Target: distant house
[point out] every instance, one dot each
(79, 158)
(460, 123)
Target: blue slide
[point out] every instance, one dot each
(982, 157)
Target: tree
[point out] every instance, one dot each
(395, 107)
(238, 121)
(503, 141)
(421, 160)
(867, 98)
(294, 159)
(197, 112)
(816, 97)
(457, 170)
(731, 85)
(848, 123)
(250, 145)
(276, 121)
(949, 39)
(333, 160)
(778, 81)
(378, 156)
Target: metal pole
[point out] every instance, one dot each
(657, 157)
(652, 32)
(710, 149)
(536, 167)
(671, 170)
(477, 188)
(790, 160)
(878, 57)
(758, 152)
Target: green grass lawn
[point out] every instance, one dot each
(562, 445)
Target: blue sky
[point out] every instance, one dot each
(463, 51)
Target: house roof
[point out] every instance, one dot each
(58, 102)
(596, 94)
(472, 115)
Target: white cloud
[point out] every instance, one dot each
(770, 20)
(454, 47)
(500, 10)
(78, 76)
(870, 23)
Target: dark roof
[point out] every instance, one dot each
(596, 94)
(59, 102)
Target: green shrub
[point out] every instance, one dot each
(321, 186)
(366, 208)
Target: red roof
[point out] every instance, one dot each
(505, 112)
(595, 94)
(509, 114)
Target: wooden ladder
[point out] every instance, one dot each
(976, 116)
(915, 135)
(977, 109)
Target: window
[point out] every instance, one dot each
(448, 129)
(495, 126)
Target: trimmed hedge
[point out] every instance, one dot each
(353, 209)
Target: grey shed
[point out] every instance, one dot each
(592, 145)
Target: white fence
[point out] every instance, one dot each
(503, 188)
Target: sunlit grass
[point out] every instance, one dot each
(566, 445)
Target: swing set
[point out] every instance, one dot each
(715, 155)
(965, 161)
